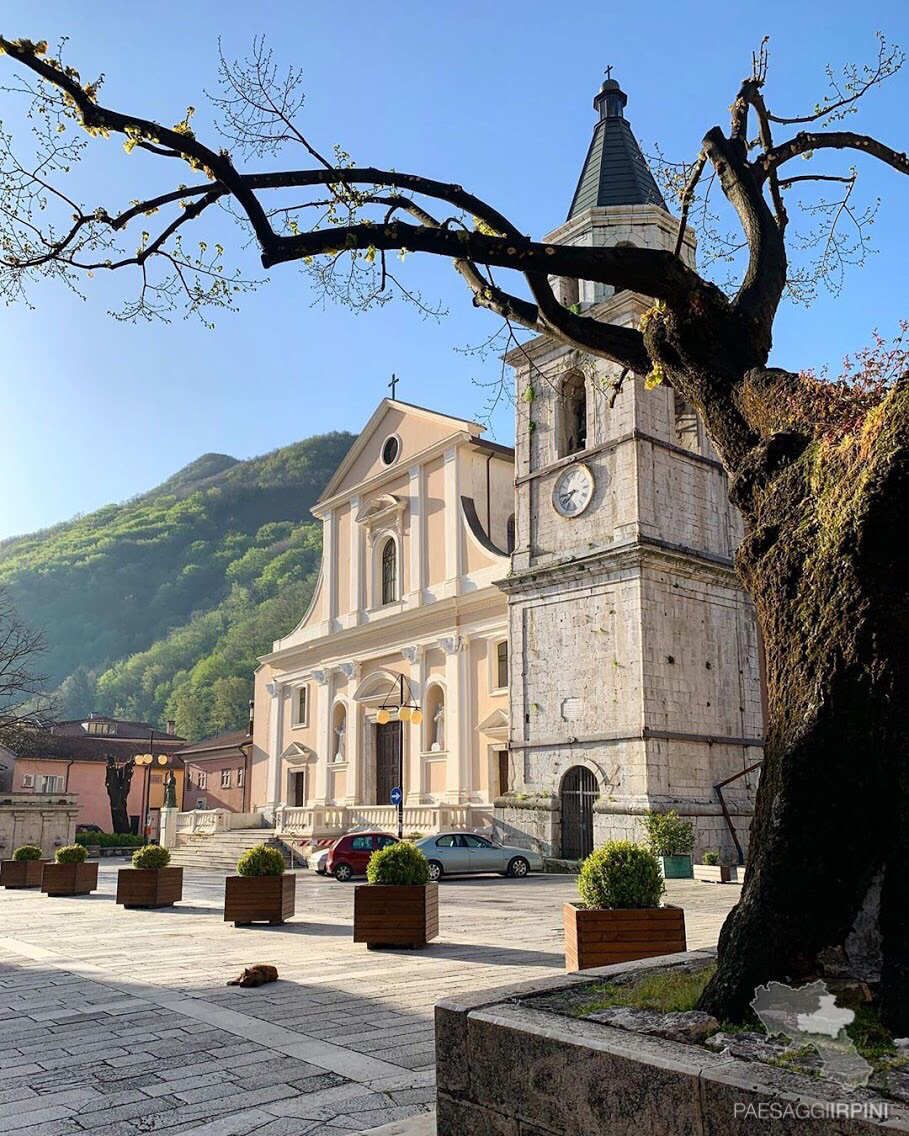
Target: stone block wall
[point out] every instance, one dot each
(47, 820)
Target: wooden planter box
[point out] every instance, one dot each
(259, 899)
(396, 915)
(677, 867)
(597, 936)
(715, 873)
(149, 887)
(21, 873)
(69, 879)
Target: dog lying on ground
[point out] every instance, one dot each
(256, 975)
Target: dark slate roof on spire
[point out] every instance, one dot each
(615, 172)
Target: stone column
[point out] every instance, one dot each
(417, 537)
(457, 716)
(324, 734)
(330, 577)
(411, 734)
(453, 549)
(355, 553)
(275, 746)
(351, 671)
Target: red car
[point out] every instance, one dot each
(350, 854)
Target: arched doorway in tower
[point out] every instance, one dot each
(579, 791)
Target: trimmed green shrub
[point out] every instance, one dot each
(398, 864)
(28, 852)
(621, 874)
(71, 854)
(668, 834)
(110, 839)
(711, 858)
(151, 856)
(261, 861)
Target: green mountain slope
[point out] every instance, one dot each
(158, 607)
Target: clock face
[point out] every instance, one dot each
(573, 491)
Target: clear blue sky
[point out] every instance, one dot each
(495, 96)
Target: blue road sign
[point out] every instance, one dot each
(397, 796)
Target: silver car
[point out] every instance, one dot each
(450, 853)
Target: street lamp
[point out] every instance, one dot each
(146, 760)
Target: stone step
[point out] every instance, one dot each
(222, 849)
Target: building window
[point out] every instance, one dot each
(239, 778)
(52, 784)
(502, 664)
(225, 778)
(510, 540)
(201, 803)
(156, 778)
(28, 780)
(573, 433)
(391, 449)
(301, 706)
(201, 779)
(686, 424)
(95, 727)
(389, 572)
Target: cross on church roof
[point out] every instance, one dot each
(609, 71)
(393, 384)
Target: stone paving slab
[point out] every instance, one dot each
(116, 1022)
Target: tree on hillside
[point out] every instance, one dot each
(819, 471)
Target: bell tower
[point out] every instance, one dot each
(634, 676)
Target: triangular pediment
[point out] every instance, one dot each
(297, 754)
(495, 725)
(416, 430)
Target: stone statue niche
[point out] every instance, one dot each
(340, 729)
(439, 726)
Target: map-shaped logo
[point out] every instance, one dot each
(809, 1015)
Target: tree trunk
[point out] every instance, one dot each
(825, 561)
(117, 780)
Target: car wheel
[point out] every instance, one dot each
(343, 873)
(435, 871)
(518, 867)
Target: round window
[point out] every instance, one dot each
(390, 450)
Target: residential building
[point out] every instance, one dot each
(71, 758)
(216, 772)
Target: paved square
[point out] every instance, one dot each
(116, 1022)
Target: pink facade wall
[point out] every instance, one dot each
(86, 780)
(215, 796)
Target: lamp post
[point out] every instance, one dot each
(407, 712)
(146, 760)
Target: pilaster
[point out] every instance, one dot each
(417, 538)
(324, 734)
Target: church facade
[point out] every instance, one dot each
(554, 641)
(397, 675)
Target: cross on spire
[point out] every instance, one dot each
(394, 383)
(609, 71)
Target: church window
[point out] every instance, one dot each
(686, 424)
(389, 572)
(301, 706)
(502, 664)
(510, 535)
(573, 415)
(391, 449)
(571, 291)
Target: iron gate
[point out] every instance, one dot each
(579, 791)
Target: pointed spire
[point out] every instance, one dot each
(615, 172)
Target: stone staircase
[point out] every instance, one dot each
(221, 851)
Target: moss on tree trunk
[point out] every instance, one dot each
(825, 561)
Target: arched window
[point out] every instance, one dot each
(389, 572)
(573, 434)
(510, 535)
